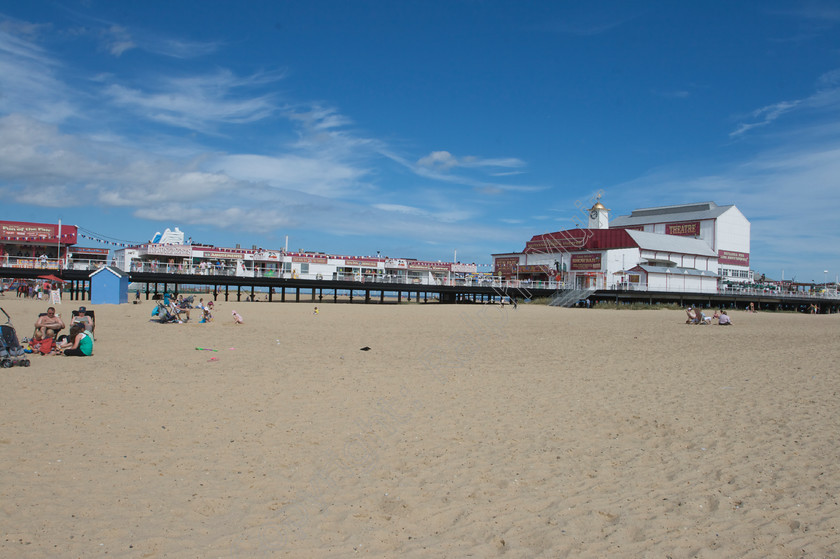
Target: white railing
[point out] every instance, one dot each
(35, 263)
(495, 282)
(749, 292)
(29, 262)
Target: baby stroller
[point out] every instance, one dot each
(11, 352)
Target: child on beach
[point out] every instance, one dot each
(237, 319)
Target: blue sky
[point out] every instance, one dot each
(420, 128)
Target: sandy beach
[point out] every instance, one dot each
(465, 431)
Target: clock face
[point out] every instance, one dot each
(593, 214)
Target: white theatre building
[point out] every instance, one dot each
(685, 248)
(723, 228)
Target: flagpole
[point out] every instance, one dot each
(58, 255)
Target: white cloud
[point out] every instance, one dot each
(197, 103)
(401, 209)
(118, 40)
(765, 116)
(28, 82)
(438, 159)
(434, 172)
(829, 80)
(319, 176)
(443, 160)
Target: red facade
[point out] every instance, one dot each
(36, 233)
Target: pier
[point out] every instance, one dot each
(236, 288)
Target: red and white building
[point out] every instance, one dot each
(723, 228)
(35, 245)
(674, 248)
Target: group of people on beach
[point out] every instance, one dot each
(78, 342)
(696, 316)
(35, 290)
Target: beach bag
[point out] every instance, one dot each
(155, 311)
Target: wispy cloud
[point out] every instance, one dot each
(445, 161)
(825, 100)
(437, 165)
(764, 116)
(315, 175)
(118, 40)
(197, 103)
(819, 11)
(673, 94)
(28, 77)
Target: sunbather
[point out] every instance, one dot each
(48, 325)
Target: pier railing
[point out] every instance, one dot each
(412, 279)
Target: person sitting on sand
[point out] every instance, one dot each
(724, 320)
(80, 342)
(48, 325)
(691, 312)
(177, 310)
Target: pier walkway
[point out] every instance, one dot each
(236, 288)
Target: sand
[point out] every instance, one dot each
(465, 431)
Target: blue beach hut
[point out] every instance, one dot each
(108, 285)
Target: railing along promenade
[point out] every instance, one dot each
(449, 289)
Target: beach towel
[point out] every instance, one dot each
(46, 346)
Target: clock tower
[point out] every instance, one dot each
(599, 215)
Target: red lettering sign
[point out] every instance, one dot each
(733, 258)
(506, 265)
(685, 229)
(586, 261)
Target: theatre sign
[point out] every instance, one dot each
(590, 261)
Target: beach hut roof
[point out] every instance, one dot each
(113, 269)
